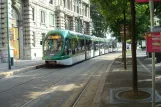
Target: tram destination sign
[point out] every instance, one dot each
(153, 41)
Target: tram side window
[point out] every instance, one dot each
(67, 46)
(74, 45)
(101, 45)
(96, 45)
(79, 46)
(82, 44)
(107, 45)
(92, 44)
(88, 44)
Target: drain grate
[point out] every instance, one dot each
(115, 99)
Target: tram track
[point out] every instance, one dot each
(82, 92)
(40, 76)
(34, 78)
(27, 82)
(77, 74)
(82, 70)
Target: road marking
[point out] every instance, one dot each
(144, 66)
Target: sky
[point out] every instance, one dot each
(108, 35)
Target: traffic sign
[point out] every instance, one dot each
(153, 40)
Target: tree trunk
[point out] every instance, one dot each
(133, 37)
(124, 40)
(122, 51)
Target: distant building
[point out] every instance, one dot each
(30, 20)
(157, 26)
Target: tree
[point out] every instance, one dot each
(142, 20)
(113, 11)
(99, 26)
(157, 9)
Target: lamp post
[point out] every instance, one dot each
(8, 37)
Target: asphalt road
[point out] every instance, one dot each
(60, 86)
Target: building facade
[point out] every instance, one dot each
(30, 20)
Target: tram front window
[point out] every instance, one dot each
(53, 45)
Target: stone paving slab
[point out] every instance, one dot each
(20, 70)
(20, 66)
(117, 77)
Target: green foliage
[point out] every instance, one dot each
(157, 9)
(128, 41)
(112, 11)
(142, 20)
(99, 26)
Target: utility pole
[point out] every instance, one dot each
(8, 36)
(151, 6)
(133, 37)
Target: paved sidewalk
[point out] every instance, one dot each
(20, 66)
(118, 80)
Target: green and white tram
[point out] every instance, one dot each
(66, 47)
(89, 53)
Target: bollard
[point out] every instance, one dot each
(12, 61)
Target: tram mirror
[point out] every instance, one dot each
(40, 42)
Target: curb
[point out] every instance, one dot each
(21, 70)
(97, 99)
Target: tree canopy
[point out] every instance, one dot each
(112, 11)
(157, 9)
(99, 23)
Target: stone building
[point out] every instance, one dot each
(30, 20)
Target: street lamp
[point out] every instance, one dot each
(8, 37)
